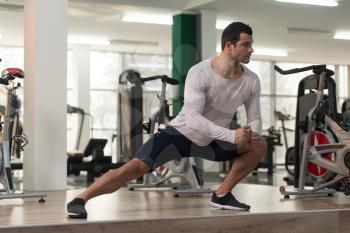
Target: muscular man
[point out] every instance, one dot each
(214, 90)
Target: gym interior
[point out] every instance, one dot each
(85, 83)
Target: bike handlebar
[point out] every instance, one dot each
(293, 71)
(134, 77)
(317, 69)
(164, 78)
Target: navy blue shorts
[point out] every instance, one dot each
(169, 144)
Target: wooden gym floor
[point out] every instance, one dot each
(157, 210)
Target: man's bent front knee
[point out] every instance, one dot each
(261, 148)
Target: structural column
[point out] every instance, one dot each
(206, 34)
(185, 51)
(45, 95)
(193, 40)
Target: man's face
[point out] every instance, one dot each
(243, 49)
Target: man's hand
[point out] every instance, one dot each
(255, 139)
(242, 135)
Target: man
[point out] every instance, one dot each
(214, 90)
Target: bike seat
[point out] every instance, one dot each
(133, 77)
(12, 73)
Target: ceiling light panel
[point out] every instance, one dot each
(342, 35)
(330, 3)
(308, 32)
(134, 42)
(165, 19)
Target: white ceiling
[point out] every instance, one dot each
(269, 20)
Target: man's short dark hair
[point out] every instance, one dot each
(233, 31)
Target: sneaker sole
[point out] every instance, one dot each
(73, 215)
(226, 207)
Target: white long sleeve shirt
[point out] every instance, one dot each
(210, 102)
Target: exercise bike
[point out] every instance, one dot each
(185, 168)
(12, 142)
(325, 148)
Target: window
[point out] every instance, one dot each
(277, 92)
(150, 65)
(342, 86)
(105, 68)
(263, 70)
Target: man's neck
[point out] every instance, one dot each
(227, 68)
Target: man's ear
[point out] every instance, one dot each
(228, 44)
